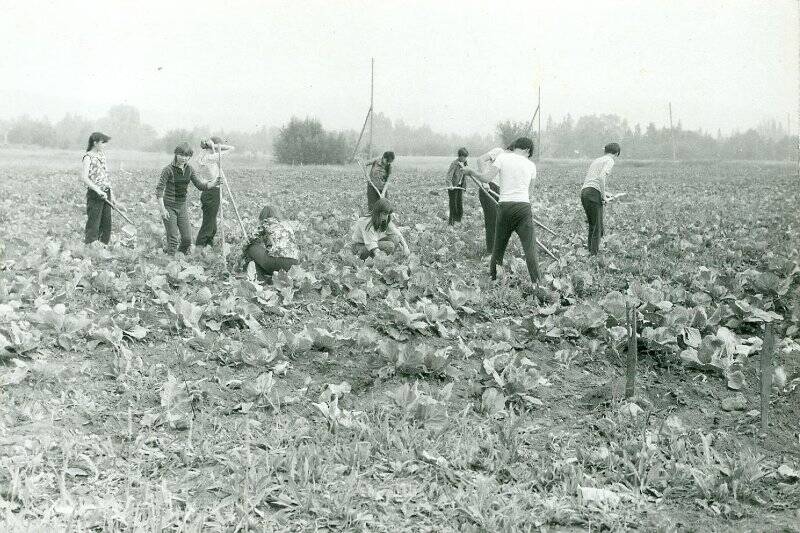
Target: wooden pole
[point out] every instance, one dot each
(371, 108)
(766, 374)
(360, 135)
(633, 352)
(672, 135)
(539, 135)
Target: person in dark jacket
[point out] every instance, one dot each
(171, 194)
(456, 185)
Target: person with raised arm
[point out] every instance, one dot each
(213, 148)
(171, 195)
(515, 172)
(488, 198)
(376, 232)
(98, 190)
(594, 195)
(379, 171)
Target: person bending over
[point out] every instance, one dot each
(379, 171)
(594, 195)
(210, 199)
(515, 172)
(456, 185)
(376, 231)
(272, 246)
(171, 195)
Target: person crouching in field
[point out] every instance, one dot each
(376, 231)
(210, 199)
(488, 198)
(594, 196)
(98, 183)
(171, 195)
(456, 185)
(515, 172)
(379, 171)
(272, 246)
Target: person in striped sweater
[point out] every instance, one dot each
(171, 194)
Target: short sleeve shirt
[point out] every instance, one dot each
(515, 174)
(98, 173)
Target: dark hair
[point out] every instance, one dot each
(268, 212)
(389, 157)
(214, 139)
(378, 208)
(184, 149)
(96, 137)
(523, 143)
(613, 148)
(462, 152)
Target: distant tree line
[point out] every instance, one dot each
(306, 142)
(123, 123)
(586, 137)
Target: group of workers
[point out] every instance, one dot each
(503, 176)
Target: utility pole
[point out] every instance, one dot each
(371, 108)
(672, 134)
(539, 135)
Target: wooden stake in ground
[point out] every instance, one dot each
(766, 374)
(633, 352)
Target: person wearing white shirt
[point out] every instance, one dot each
(515, 172)
(210, 199)
(594, 195)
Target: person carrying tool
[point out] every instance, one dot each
(515, 172)
(99, 193)
(594, 195)
(379, 171)
(171, 196)
(210, 199)
(488, 198)
(456, 185)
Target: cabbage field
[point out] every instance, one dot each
(142, 392)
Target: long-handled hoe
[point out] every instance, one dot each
(492, 195)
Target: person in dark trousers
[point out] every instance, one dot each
(98, 190)
(456, 185)
(272, 246)
(379, 171)
(171, 195)
(594, 195)
(515, 172)
(210, 199)
(488, 200)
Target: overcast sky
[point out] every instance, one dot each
(457, 66)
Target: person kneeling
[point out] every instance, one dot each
(376, 231)
(272, 246)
